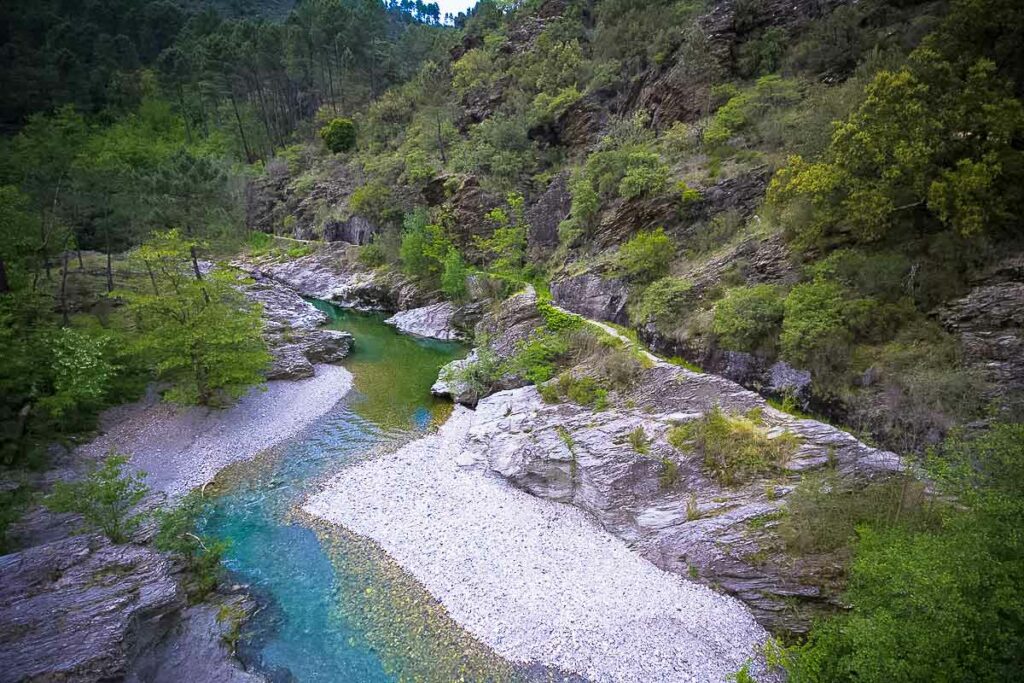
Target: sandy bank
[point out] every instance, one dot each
(183, 448)
(535, 580)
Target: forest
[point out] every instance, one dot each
(827, 187)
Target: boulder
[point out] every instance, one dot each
(434, 321)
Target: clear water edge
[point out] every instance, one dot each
(334, 607)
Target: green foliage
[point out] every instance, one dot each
(478, 375)
(453, 275)
(669, 475)
(646, 175)
(824, 512)
(500, 149)
(638, 440)
(584, 391)
(202, 336)
(735, 448)
(661, 301)
(646, 256)
(931, 142)
(339, 135)
(815, 331)
(13, 501)
(374, 201)
(547, 108)
(507, 244)
(749, 318)
(939, 604)
(105, 498)
(424, 246)
(737, 114)
(202, 556)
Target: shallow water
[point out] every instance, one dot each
(333, 609)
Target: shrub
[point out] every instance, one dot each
(646, 256)
(423, 247)
(638, 440)
(547, 108)
(661, 302)
(744, 107)
(202, 556)
(749, 318)
(584, 391)
(815, 334)
(936, 604)
(669, 475)
(372, 255)
(645, 175)
(736, 448)
(339, 135)
(105, 498)
(479, 375)
(824, 511)
(374, 201)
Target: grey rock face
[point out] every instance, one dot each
(80, 609)
(291, 329)
(333, 273)
(511, 324)
(989, 321)
(696, 526)
(434, 321)
(355, 230)
(449, 386)
(593, 296)
(544, 216)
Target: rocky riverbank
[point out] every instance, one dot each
(76, 608)
(535, 580)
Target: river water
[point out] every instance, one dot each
(334, 608)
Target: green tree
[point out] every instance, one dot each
(815, 332)
(339, 135)
(202, 336)
(507, 244)
(424, 246)
(453, 275)
(105, 498)
(202, 555)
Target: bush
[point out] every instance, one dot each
(339, 135)
(645, 175)
(736, 448)
(453, 275)
(374, 201)
(638, 440)
(202, 556)
(749, 318)
(646, 256)
(815, 334)
(105, 498)
(744, 107)
(824, 512)
(372, 255)
(661, 302)
(942, 604)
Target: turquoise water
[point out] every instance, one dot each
(301, 634)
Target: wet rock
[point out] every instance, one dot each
(593, 296)
(435, 321)
(354, 230)
(81, 609)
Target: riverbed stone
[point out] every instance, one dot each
(435, 321)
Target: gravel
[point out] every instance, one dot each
(180, 449)
(535, 580)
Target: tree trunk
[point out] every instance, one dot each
(241, 129)
(81, 266)
(64, 290)
(5, 286)
(110, 272)
(152, 278)
(440, 141)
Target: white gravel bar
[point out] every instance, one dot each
(535, 580)
(180, 449)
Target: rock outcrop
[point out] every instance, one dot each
(593, 296)
(693, 525)
(333, 273)
(80, 609)
(989, 322)
(435, 322)
(291, 327)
